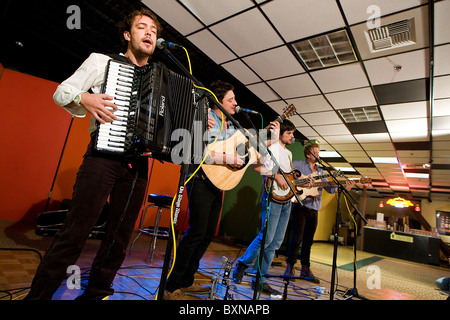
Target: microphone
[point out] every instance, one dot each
(161, 44)
(239, 109)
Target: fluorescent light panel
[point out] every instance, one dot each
(345, 169)
(329, 154)
(417, 175)
(384, 159)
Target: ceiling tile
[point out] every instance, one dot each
(405, 125)
(441, 61)
(381, 153)
(209, 12)
(262, 91)
(441, 123)
(298, 122)
(389, 167)
(441, 160)
(295, 86)
(259, 34)
(405, 110)
(441, 22)
(373, 137)
(358, 159)
(416, 135)
(441, 146)
(361, 32)
(340, 139)
(420, 193)
(321, 118)
(413, 153)
(331, 129)
(349, 76)
(241, 72)
(352, 153)
(347, 146)
(412, 65)
(352, 98)
(441, 135)
(367, 127)
(307, 132)
(294, 22)
(414, 160)
(378, 146)
(310, 104)
(174, 14)
(441, 108)
(360, 10)
(275, 63)
(211, 46)
(442, 87)
(399, 92)
(278, 106)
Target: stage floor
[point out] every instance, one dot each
(377, 277)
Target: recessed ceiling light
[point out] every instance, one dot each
(345, 169)
(329, 154)
(417, 175)
(384, 159)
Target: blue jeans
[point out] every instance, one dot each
(278, 219)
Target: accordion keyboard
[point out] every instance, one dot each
(113, 136)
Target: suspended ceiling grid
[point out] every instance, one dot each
(255, 42)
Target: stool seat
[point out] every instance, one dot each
(160, 200)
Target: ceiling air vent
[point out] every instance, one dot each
(326, 50)
(393, 35)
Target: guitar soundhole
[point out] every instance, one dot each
(242, 152)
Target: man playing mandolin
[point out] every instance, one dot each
(304, 218)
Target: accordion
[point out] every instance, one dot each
(153, 102)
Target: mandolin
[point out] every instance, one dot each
(296, 179)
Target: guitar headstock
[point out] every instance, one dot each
(365, 180)
(338, 174)
(288, 111)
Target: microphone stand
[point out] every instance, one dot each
(352, 200)
(257, 145)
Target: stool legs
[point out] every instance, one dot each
(141, 227)
(155, 233)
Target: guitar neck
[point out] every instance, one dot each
(280, 119)
(302, 181)
(325, 184)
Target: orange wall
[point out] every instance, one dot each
(34, 132)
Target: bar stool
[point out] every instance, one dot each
(161, 202)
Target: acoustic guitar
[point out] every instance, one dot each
(226, 177)
(296, 179)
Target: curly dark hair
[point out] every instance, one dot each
(220, 88)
